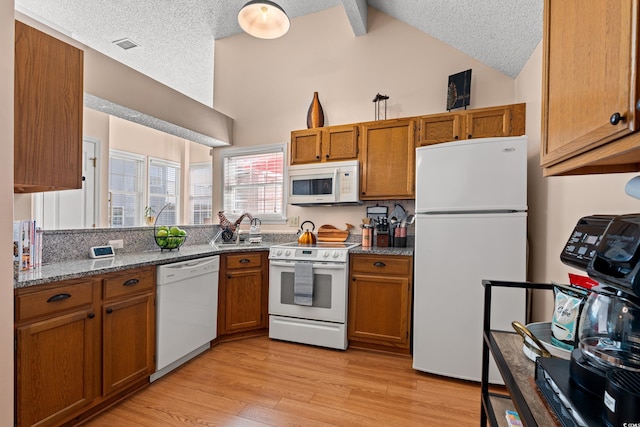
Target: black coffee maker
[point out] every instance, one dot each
(605, 366)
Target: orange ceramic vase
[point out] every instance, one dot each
(315, 115)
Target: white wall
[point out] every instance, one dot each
(267, 85)
(6, 213)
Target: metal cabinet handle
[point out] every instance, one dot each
(379, 264)
(91, 315)
(228, 276)
(469, 136)
(109, 310)
(131, 282)
(245, 260)
(616, 118)
(326, 156)
(317, 157)
(58, 297)
(456, 137)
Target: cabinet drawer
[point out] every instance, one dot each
(129, 282)
(388, 265)
(54, 300)
(244, 260)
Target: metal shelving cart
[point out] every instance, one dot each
(516, 369)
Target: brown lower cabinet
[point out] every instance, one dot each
(243, 292)
(82, 344)
(380, 296)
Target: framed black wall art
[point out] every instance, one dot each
(459, 90)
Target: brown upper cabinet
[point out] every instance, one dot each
(506, 120)
(387, 160)
(324, 144)
(48, 101)
(590, 87)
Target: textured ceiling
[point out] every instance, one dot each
(175, 36)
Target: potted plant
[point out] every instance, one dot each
(149, 217)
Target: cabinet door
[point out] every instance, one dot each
(244, 300)
(388, 154)
(305, 146)
(589, 75)
(340, 143)
(48, 112)
(388, 323)
(55, 373)
(128, 341)
(438, 128)
(487, 123)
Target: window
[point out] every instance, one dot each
(200, 192)
(126, 190)
(254, 183)
(164, 185)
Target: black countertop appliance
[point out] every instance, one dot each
(600, 385)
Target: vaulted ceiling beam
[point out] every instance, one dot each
(357, 13)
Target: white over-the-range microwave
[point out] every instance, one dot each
(329, 183)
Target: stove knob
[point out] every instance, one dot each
(336, 254)
(279, 252)
(287, 252)
(325, 254)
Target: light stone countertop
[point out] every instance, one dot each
(72, 269)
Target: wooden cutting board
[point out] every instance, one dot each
(329, 233)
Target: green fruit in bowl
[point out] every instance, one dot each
(174, 231)
(161, 241)
(163, 227)
(183, 234)
(162, 233)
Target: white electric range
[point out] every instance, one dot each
(322, 319)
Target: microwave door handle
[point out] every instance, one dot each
(336, 196)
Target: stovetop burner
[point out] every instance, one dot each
(320, 245)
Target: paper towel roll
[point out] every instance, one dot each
(633, 187)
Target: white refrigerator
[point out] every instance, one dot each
(471, 224)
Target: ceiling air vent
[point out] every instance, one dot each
(126, 43)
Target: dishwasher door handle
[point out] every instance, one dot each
(188, 264)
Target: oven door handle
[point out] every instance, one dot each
(315, 266)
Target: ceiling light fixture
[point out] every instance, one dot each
(263, 19)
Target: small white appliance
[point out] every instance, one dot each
(471, 224)
(186, 311)
(321, 321)
(329, 183)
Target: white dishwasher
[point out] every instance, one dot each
(186, 311)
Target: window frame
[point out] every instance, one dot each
(166, 163)
(250, 151)
(191, 210)
(142, 178)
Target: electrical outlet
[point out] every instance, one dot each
(293, 221)
(117, 244)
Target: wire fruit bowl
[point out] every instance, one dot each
(168, 237)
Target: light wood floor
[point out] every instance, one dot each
(262, 382)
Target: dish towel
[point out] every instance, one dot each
(303, 283)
